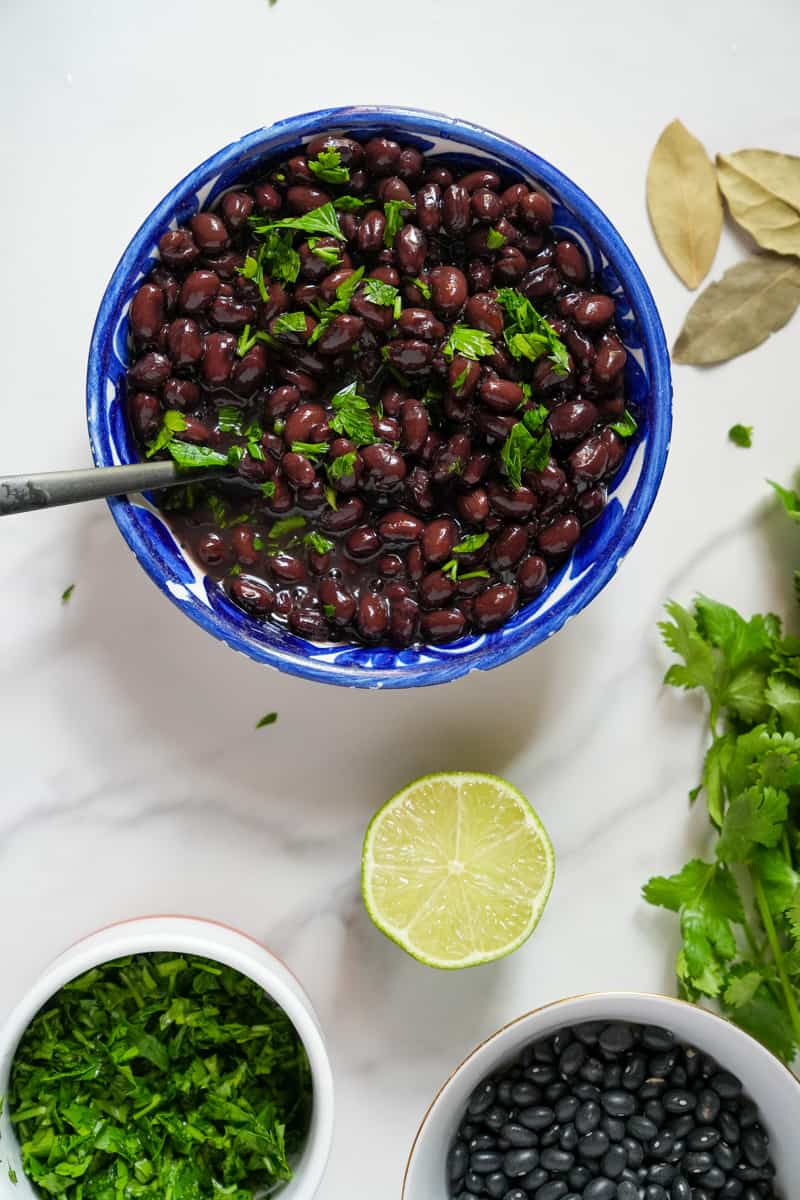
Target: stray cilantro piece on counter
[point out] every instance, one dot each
(330, 497)
(352, 203)
(471, 543)
(421, 286)
(741, 435)
(267, 719)
(340, 468)
(317, 541)
(627, 426)
(523, 450)
(352, 416)
(293, 322)
(394, 210)
(159, 1075)
(286, 525)
(527, 334)
(378, 292)
(327, 166)
(310, 449)
(328, 254)
(172, 422)
(469, 343)
(66, 595)
(495, 239)
(344, 294)
(321, 220)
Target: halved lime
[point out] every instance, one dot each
(457, 869)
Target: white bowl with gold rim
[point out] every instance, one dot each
(771, 1085)
(182, 935)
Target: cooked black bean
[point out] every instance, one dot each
(207, 337)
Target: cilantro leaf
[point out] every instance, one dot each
(229, 419)
(172, 422)
(421, 287)
(352, 203)
(66, 595)
(321, 220)
(766, 1019)
(523, 451)
(741, 435)
(293, 322)
(706, 897)
(267, 719)
(318, 542)
(471, 543)
(340, 468)
(626, 427)
(188, 456)
(286, 525)
(352, 416)
(267, 489)
(527, 334)
(394, 210)
(753, 818)
(782, 694)
(248, 340)
(378, 292)
(310, 449)
(327, 166)
(742, 988)
(469, 343)
(344, 294)
(329, 254)
(495, 239)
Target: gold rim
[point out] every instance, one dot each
(568, 1000)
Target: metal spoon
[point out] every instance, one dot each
(23, 493)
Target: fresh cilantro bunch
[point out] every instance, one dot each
(159, 1075)
(740, 913)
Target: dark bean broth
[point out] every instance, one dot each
(397, 570)
(611, 1111)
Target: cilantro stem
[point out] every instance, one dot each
(787, 849)
(777, 953)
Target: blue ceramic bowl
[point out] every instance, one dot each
(600, 550)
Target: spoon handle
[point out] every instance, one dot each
(23, 493)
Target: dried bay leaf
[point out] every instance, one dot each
(684, 203)
(751, 301)
(762, 189)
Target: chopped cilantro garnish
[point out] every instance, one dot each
(322, 220)
(330, 497)
(352, 203)
(340, 468)
(471, 543)
(451, 570)
(523, 451)
(248, 340)
(310, 449)
(267, 719)
(469, 343)
(327, 166)
(66, 595)
(317, 541)
(351, 416)
(159, 1075)
(344, 294)
(378, 292)
(188, 457)
(627, 426)
(495, 239)
(294, 322)
(267, 489)
(286, 525)
(235, 569)
(218, 510)
(329, 610)
(482, 574)
(328, 254)
(229, 419)
(741, 435)
(172, 422)
(421, 286)
(394, 210)
(527, 334)
(461, 380)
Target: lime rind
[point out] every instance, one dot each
(473, 825)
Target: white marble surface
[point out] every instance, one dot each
(132, 778)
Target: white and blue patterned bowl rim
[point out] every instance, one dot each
(601, 548)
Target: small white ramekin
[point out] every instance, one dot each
(182, 935)
(772, 1086)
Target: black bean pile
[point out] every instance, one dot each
(420, 382)
(611, 1112)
